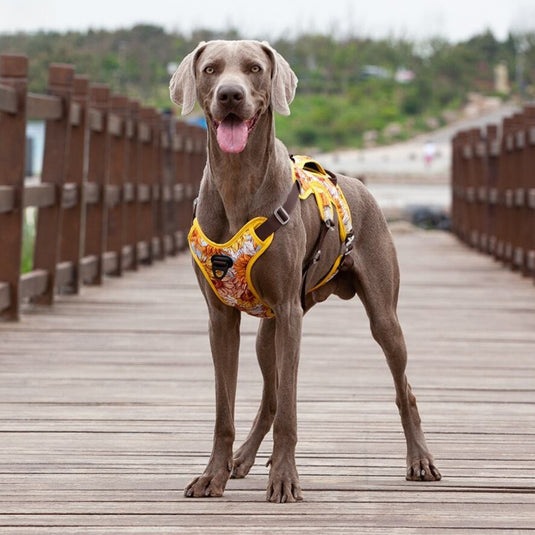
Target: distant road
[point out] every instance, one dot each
(406, 159)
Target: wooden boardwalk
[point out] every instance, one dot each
(107, 409)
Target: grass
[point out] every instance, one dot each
(28, 240)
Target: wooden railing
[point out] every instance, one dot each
(116, 188)
(493, 186)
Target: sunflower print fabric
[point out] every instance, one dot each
(234, 286)
(328, 195)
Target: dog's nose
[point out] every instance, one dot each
(230, 94)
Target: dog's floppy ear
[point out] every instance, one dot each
(182, 86)
(284, 81)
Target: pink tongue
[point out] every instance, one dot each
(232, 134)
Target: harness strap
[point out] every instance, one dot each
(313, 259)
(280, 216)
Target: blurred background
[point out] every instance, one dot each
(382, 86)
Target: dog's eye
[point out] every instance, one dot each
(255, 69)
(209, 70)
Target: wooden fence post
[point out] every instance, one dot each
(517, 191)
(478, 148)
(13, 76)
(168, 179)
(528, 179)
(200, 137)
(95, 230)
(57, 144)
(464, 165)
(493, 190)
(457, 191)
(131, 186)
(115, 227)
(503, 174)
(180, 184)
(492, 150)
(74, 213)
(158, 187)
(145, 181)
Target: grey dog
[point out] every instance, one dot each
(239, 86)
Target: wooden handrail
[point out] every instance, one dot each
(115, 190)
(493, 207)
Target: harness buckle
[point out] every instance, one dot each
(329, 223)
(281, 215)
(221, 263)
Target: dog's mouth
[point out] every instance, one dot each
(233, 132)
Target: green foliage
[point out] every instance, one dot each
(336, 102)
(28, 240)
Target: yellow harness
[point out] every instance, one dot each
(227, 266)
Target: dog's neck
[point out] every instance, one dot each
(249, 181)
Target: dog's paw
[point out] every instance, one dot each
(283, 487)
(422, 469)
(242, 466)
(210, 485)
(243, 461)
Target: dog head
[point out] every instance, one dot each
(235, 83)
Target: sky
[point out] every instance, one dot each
(454, 20)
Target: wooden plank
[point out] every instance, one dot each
(143, 250)
(34, 284)
(144, 193)
(91, 192)
(113, 195)
(108, 412)
(65, 275)
(423, 517)
(39, 195)
(96, 120)
(76, 112)
(115, 125)
(5, 296)
(8, 99)
(144, 132)
(44, 107)
(129, 192)
(89, 266)
(179, 192)
(7, 199)
(128, 256)
(69, 195)
(110, 262)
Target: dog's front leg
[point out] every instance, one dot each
(224, 342)
(283, 484)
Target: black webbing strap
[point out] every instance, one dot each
(280, 216)
(313, 259)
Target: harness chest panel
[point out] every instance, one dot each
(235, 287)
(227, 266)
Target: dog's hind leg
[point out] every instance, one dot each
(224, 342)
(377, 283)
(265, 349)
